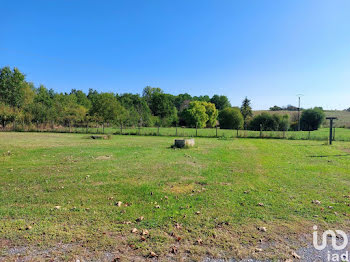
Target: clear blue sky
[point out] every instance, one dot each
(266, 50)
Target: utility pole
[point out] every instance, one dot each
(299, 95)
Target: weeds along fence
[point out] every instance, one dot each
(340, 134)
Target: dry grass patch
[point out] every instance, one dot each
(180, 188)
(107, 157)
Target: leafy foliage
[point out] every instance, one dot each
(246, 111)
(268, 122)
(220, 102)
(105, 108)
(311, 119)
(231, 118)
(195, 115)
(212, 113)
(276, 108)
(7, 114)
(12, 86)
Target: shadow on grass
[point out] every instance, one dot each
(331, 155)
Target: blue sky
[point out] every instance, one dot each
(266, 50)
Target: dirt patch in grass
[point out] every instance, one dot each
(347, 150)
(107, 157)
(225, 241)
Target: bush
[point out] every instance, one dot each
(270, 122)
(294, 126)
(266, 121)
(231, 118)
(311, 119)
(283, 123)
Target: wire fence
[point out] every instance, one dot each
(339, 134)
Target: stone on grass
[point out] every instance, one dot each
(262, 229)
(181, 143)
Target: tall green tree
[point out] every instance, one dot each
(246, 111)
(149, 92)
(42, 110)
(195, 115)
(220, 102)
(82, 98)
(137, 109)
(212, 113)
(162, 106)
(68, 111)
(43, 96)
(106, 107)
(180, 99)
(12, 84)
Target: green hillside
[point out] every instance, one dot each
(343, 116)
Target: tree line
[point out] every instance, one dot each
(23, 105)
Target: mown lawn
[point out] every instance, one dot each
(214, 200)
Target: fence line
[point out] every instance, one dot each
(191, 132)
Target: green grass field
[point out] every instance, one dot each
(59, 196)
